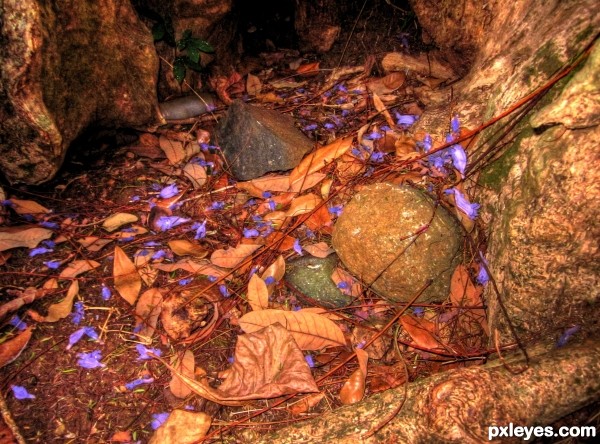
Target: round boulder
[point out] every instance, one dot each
(389, 237)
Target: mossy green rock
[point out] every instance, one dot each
(389, 237)
(312, 277)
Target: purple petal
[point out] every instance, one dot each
(106, 293)
(298, 247)
(52, 264)
(224, 291)
(169, 191)
(167, 222)
(463, 204)
(158, 419)
(455, 124)
(75, 337)
(143, 352)
(200, 231)
(459, 158)
(90, 360)
(18, 323)
(40, 250)
(133, 384)
(310, 361)
(251, 232)
(21, 392)
(336, 211)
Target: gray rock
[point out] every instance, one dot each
(256, 141)
(374, 238)
(312, 276)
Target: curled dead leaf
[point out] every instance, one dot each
(232, 257)
(128, 282)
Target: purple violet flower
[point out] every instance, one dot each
(310, 361)
(463, 204)
(39, 250)
(90, 360)
(78, 334)
(459, 158)
(169, 191)
(405, 120)
(269, 280)
(455, 124)
(564, 338)
(158, 419)
(133, 384)
(78, 312)
(106, 293)
(48, 224)
(224, 291)
(184, 282)
(217, 205)
(18, 323)
(200, 230)
(143, 352)
(167, 222)
(336, 211)
(21, 392)
(298, 247)
(52, 264)
(250, 233)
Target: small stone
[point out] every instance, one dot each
(312, 277)
(375, 239)
(256, 141)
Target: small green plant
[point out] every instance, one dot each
(188, 47)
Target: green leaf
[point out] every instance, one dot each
(158, 31)
(193, 54)
(179, 69)
(193, 65)
(201, 45)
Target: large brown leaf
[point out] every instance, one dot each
(421, 332)
(22, 236)
(232, 257)
(185, 365)
(147, 311)
(353, 389)
(127, 279)
(313, 162)
(258, 293)
(311, 331)
(11, 349)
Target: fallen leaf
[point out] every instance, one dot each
(421, 332)
(462, 290)
(185, 365)
(349, 167)
(202, 267)
(303, 204)
(253, 85)
(319, 219)
(275, 270)
(12, 348)
(61, 309)
(182, 427)
(131, 232)
(323, 312)
(353, 389)
(316, 160)
(28, 207)
(176, 150)
(144, 268)
(147, 311)
(94, 243)
(196, 174)
(183, 247)
(311, 331)
(22, 236)
(232, 257)
(78, 267)
(320, 249)
(258, 293)
(380, 106)
(118, 220)
(306, 403)
(354, 288)
(126, 277)
(122, 436)
(308, 69)
(273, 183)
(306, 182)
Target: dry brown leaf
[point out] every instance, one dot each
(144, 268)
(61, 309)
(196, 174)
(306, 403)
(12, 348)
(308, 69)
(354, 288)
(319, 219)
(320, 249)
(353, 389)
(380, 106)
(202, 267)
(405, 145)
(303, 204)
(131, 232)
(182, 427)
(307, 182)
(177, 151)
(349, 167)
(78, 267)
(311, 331)
(94, 243)
(323, 312)
(277, 218)
(118, 220)
(281, 241)
(126, 277)
(462, 290)
(270, 97)
(22, 236)
(316, 160)
(122, 436)
(183, 247)
(421, 332)
(232, 257)
(185, 365)
(147, 311)
(28, 207)
(258, 293)
(276, 270)
(256, 187)
(253, 85)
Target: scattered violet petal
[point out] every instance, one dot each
(184, 282)
(7, 203)
(336, 210)
(78, 312)
(329, 126)
(309, 233)
(217, 205)
(343, 285)
(296, 308)
(311, 127)
(158, 419)
(167, 222)
(374, 135)
(377, 156)
(200, 230)
(418, 311)
(159, 254)
(143, 352)
(151, 244)
(564, 338)
(224, 291)
(269, 280)
(90, 332)
(463, 204)
(21, 392)
(310, 361)
(126, 239)
(298, 247)
(455, 124)
(52, 264)
(39, 250)
(385, 128)
(449, 138)
(250, 233)
(482, 277)
(405, 120)
(212, 278)
(106, 293)
(50, 225)
(155, 187)
(136, 382)
(459, 158)
(49, 243)
(18, 323)
(267, 195)
(231, 360)
(272, 204)
(75, 337)
(135, 198)
(361, 344)
(90, 360)
(342, 88)
(169, 191)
